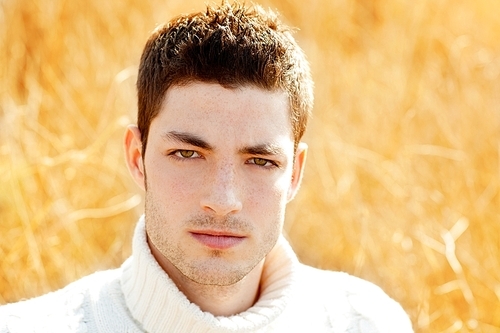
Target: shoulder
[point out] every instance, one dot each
(353, 304)
(64, 310)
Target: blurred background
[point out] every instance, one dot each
(402, 186)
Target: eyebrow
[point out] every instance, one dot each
(188, 138)
(263, 149)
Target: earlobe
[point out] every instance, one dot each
(133, 154)
(298, 170)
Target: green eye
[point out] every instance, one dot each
(260, 161)
(186, 153)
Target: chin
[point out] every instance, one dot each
(217, 274)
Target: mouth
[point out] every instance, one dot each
(217, 240)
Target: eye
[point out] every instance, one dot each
(262, 162)
(186, 154)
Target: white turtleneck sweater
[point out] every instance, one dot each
(140, 297)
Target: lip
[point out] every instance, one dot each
(217, 240)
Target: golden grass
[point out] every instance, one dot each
(403, 181)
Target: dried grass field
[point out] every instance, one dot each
(402, 186)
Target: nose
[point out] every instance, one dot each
(222, 194)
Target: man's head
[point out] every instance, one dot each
(223, 102)
(231, 45)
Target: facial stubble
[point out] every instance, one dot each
(213, 266)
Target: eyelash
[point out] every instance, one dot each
(177, 154)
(269, 163)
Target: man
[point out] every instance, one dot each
(223, 101)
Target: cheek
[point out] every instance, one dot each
(268, 197)
(174, 185)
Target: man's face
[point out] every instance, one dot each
(218, 172)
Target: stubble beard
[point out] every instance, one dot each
(215, 268)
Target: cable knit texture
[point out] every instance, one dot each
(140, 297)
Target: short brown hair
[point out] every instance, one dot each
(232, 45)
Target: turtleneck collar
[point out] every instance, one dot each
(157, 304)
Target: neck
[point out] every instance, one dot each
(218, 300)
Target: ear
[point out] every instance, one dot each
(133, 155)
(298, 170)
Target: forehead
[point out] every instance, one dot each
(244, 115)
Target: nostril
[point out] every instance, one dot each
(222, 203)
(222, 200)
(223, 195)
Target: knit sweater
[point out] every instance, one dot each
(140, 297)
